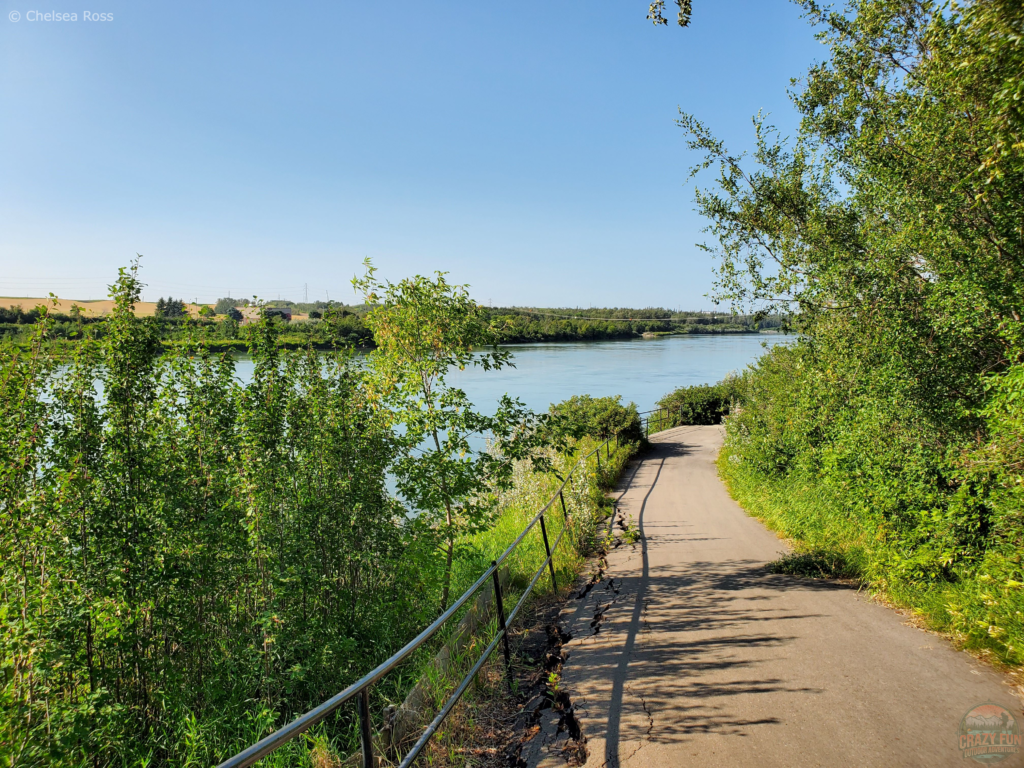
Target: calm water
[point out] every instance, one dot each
(642, 371)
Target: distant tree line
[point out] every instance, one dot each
(328, 324)
(517, 325)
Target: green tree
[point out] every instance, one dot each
(892, 227)
(223, 305)
(656, 12)
(181, 553)
(170, 308)
(424, 328)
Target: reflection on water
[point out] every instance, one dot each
(641, 371)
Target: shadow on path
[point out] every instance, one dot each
(611, 748)
(707, 615)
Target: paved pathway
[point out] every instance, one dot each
(690, 653)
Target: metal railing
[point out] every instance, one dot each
(361, 688)
(655, 418)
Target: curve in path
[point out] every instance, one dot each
(690, 653)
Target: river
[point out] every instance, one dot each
(641, 370)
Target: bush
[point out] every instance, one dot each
(702, 404)
(599, 417)
(931, 518)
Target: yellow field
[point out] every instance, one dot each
(98, 306)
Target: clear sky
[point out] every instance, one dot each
(527, 148)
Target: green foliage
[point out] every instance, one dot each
(170, 308)
(891, 228)
(181, 553)
(281, 315)
(332, 325)
(517, 325)
(187, 562)
(424, 328)
(18, 316)
(656, 12)
(598, 417)
(223, 306)
(700, 404)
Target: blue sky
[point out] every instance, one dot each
(527, 148)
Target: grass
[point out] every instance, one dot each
(980, 609)
(816, 564)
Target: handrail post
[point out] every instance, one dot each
(551, 560)
(565, 512)
(364, 727)
(598, 454)
(499, 605)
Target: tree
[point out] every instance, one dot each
(278, 314)
(234, 314)
(223, 305)
(424, 328)
(170, 308)
(891, 227)
(656, 12)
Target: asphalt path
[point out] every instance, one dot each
(688, 652)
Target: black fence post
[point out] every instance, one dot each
(551, 560)
(565, 512)
(500, 606)
(364, 727)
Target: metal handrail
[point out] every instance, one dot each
(304, 722)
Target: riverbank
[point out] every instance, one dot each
(241, 346)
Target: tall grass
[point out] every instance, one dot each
(980, 609)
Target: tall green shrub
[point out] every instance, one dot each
(700, 404)
(186, 560)
(891, 227)
(599, 417)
